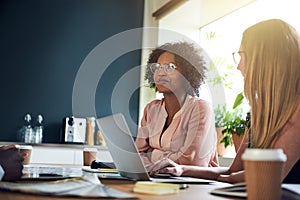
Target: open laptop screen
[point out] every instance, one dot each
(122, 147)
(125, 154)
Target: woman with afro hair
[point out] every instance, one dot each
(180, 126)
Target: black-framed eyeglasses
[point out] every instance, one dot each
(168, 68)
(237, 56)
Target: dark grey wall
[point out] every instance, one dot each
(43, 43)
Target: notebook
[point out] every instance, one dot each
(125, 155)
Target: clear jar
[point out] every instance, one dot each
(90, 130)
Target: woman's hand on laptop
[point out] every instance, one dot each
(154, 168)
(173, 168)
(163, 166)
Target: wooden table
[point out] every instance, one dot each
(194, 191)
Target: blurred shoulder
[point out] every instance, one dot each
(203, 104)
(155, 103)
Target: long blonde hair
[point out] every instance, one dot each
(272, 78)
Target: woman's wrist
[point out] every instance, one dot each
(184, 170)
(187, 170)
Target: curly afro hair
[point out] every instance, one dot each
(188, 58)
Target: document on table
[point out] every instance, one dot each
(80, 187)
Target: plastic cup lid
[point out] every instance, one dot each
(90, 149)
(25, 147)
(264, 155)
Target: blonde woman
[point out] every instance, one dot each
(269, 59)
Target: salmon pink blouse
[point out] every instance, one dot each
(190, 139)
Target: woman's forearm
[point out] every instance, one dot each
(235, 177)
(211, 173)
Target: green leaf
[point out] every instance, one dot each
(238, 100)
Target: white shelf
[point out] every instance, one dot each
(64, 155)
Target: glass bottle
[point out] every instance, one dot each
(38, 130)
(28, 132)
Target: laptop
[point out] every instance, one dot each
(125, 155)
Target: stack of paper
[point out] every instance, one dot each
(78, 187)
(148, 187)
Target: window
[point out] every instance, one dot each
(221, 37)
(219, 34)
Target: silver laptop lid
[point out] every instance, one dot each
(125, 154)
(122, 147)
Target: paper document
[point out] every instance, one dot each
(81, 187)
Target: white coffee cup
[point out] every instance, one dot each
(89, 155)
(263, 173)
(25, 151)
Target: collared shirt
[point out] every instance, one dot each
(190, 139)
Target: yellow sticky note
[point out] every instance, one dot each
(148, 187)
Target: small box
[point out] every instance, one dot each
(73, 130)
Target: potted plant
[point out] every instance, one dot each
(219, 111)
(230, 122)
